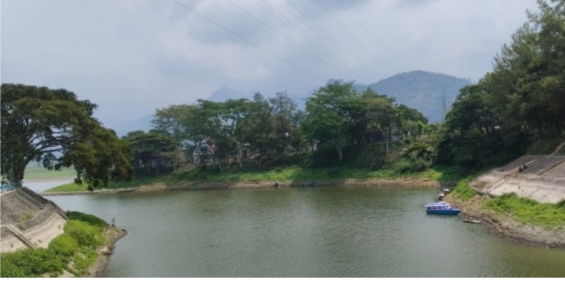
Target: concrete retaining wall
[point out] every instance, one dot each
(29, 220)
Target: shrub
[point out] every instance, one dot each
(64, 246)
(90, 219)
(85, 234)
(30, 263)
(463, 191)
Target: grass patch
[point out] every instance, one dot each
(34, 171)
(463, 191)
(74, 250)
(252, 174)
(529, 211)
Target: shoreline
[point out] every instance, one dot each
(191, 186)
(112, 235)
(506, 227)
(498, 224)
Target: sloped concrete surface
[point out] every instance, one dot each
(28, 220)
(541, 178)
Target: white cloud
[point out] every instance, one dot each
(139, 55)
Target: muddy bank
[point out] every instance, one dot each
(505, 227)
(188, 185)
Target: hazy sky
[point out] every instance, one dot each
(133, 56)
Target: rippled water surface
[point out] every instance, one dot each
(306, 232)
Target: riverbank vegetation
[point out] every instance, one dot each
(342, 133)
(522, 210)
(73, 251)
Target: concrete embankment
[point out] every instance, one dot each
(541, 178)
(29, 220)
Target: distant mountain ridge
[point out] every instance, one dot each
(421, 90)
(424, 91)
(430, 93)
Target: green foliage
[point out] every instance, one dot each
(30, 263)
(529, 211)
(544, 147)
(85, 234)
(76, 246)
(474, 137)
(90, 219)
(37, 122)
(463, 191)
(82, 260)
(64, 245)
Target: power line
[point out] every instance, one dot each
(308, 38)
(364, 29)
(248, 41)
(286, 38)
(335, 43)
(345, 28)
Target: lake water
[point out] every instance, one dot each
(304, 232)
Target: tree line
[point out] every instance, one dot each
(521, 100)
(491, 122)
(336, 117)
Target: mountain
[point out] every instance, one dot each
(430, 93)
(425, 91)
(225, 93)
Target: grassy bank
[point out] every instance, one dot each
(74, 251)
(522, 210)
(35, 172)
(281, 174)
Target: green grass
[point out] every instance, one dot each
(529, 211)
(252, 174)
(76, 246)
(462, 190)
(33, 172)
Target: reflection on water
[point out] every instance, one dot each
(307, 232)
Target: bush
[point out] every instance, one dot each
(90, 219)
(85, 234)
(30, 263)
(64, 246)
(463, 191)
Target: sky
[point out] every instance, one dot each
(132, 57)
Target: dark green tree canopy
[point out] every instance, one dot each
(39, 123)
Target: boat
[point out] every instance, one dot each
(441, 208)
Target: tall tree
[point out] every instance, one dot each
(148, 146)
(172, 121)
(284, 109)
(325, 120)
(39, 123)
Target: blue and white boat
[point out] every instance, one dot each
(441, 208)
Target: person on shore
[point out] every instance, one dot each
(441, 196)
